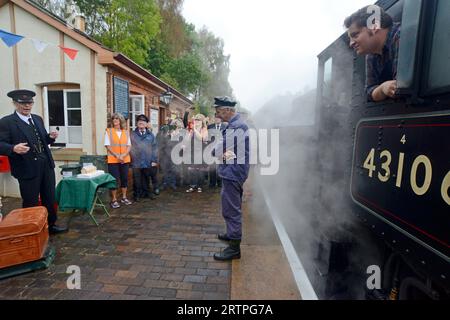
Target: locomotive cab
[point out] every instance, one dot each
(390, 159)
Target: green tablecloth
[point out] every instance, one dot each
(75, 193)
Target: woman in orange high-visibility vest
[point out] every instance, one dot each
(118, 145)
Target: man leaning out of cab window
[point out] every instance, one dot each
(373, 33)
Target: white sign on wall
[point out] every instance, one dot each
(154, 120)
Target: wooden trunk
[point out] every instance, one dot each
(23, 236)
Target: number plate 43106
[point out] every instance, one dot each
(401, 172)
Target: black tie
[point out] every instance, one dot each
(31, 122)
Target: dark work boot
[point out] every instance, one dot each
(223, 237)
(233, 251)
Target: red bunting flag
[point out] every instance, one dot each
(71, 53)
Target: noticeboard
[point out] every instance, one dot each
(121, 97)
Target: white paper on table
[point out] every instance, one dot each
(91, 175)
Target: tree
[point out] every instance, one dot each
(61, 8)
(129, 26)
(122, 25)
(158, 59)
(173, 31)
(215, 64)
(182, 70)
(93, 13)
(155, 35)
(188, 73)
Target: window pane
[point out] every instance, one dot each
(56, 108)
(136, 105)
(74, 117)
(154, 119)
(75, 135)
(327, 78)
(439, 74)
(73, 100)
(408, 43)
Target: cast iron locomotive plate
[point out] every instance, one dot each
(401, 174)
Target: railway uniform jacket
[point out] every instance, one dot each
(14, 131)
(237, 169)
(144, 149)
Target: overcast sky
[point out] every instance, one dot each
(273, 44)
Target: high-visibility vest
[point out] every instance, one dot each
(118, 145)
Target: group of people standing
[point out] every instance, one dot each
(138, 150)
(146, 153)
(193, 136)
(24, 139)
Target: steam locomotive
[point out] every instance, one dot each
(389, 161)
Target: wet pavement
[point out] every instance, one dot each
(263, 272)
(154, 249)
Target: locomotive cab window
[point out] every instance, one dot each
(409, 48)
(437, 78)
(327, 80)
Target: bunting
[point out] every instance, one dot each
(39, 45)
(71, 53)
(11, 39)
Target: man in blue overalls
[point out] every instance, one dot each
(233, 153)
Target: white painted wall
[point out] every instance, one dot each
(6, 65)
(36, 68)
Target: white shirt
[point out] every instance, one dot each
(25, 118)
(119, 134)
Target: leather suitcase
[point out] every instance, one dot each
(23, 236)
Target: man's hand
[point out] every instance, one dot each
(389, 88)
(21, 148)
(54, 135)
(154, 164)
(229, 155)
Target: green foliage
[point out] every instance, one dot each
(167, 78)
(173, 31)
(187, 70)
(155, 35)
(130, 26)
(93, 13)
(158, 59)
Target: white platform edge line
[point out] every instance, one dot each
(301, 278)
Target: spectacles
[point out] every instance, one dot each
(26, 103)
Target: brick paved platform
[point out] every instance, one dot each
(160, 249)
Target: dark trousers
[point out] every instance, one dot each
(44, 185)
(232, 192)
(214, 179)
(120, 172)
(141, 181)
(196, 176)
(169, 173)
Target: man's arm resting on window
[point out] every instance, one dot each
(384, 91)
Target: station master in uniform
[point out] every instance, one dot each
(25, 141)
(233, 153)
